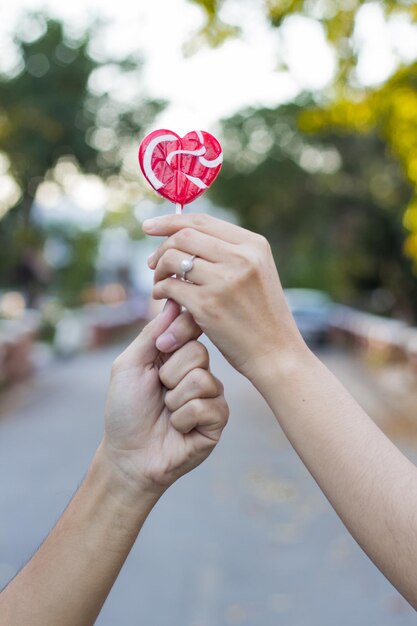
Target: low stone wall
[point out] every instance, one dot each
(16, 347)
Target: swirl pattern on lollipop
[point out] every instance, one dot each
(180, 168)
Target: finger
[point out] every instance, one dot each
(208, 416)
(191, 356)
(170, 264)
(143, 349)
(181, 291)
(193, 242)
(167, 225)
(182, 330)
(199, 383)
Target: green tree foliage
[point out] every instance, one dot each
(328, 203)
(79, 271)
(49, 110)
(215, 31)
(42, 108)
(389, 111)
(337, 19)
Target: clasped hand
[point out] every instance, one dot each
(165, 409)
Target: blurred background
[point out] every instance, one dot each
(315, 103)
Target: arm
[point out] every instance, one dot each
(69, 578)
(369, 482)
(164, 416)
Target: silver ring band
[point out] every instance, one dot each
(186, 266)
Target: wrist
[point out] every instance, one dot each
(130, 490)
(273, 371)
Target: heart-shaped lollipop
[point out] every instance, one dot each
(180, 168)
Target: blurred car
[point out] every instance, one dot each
(312, 311)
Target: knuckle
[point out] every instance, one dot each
(157, 291)
(160, 251)
(174, 419)
(169, 401)
(211, 385)
(220, 386)
(245, 257)
(225, 413)
(165, 377)
(178, 422)
(196, 378)
(197, 408)
(262, 242)
(169, 257)
(200, 220)
(184, 235)
(222, 412)
(167, 245)
(240, 254)
(252, 256)
(175, 240)
(201, 354)
(161, 290)
(245, 268)
(203, 382)
(252, 261)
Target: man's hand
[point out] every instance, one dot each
(165, 412)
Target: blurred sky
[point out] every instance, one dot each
(213, 84)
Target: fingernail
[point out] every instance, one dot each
(151, 261)
(149, 224)
(166, 342)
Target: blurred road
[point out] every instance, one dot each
(246, 539)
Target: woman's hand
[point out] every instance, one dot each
(233, 291)
(165, 412)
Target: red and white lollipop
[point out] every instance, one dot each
(180, 168)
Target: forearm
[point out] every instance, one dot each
(69, 578)
(369, 482)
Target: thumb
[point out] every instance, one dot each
(143, 350)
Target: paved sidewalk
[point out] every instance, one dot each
(247, 538)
